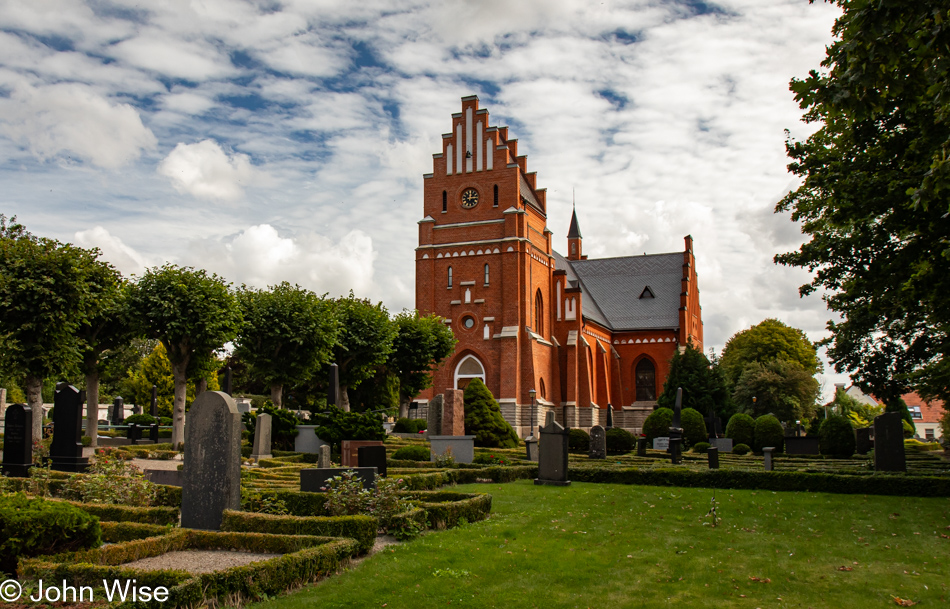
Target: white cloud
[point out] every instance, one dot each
(121, 256)
(73, 119)
(168, 56)
(206, 171)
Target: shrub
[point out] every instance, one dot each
(34, 526)
(406, 425)
(836, 437)
(701, 447)
(768, 432)
(337, 425)
(694, 426)
(283, 425)
(347, 497)
(579, 441)
(741, 428)
(484, 421)
(657, 425)
(909, 430)
(110, 480)
(619, 441)
(741, 449)
(413, 453)
(140, 419)
(483, 459)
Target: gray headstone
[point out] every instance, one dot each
(373, 456)
(118, 411)
(333, 389)
(307, 440)
(154, 404)
(598, 442)
(767, 453)
(323, 457)
(531, 448)
(712, 453)
(262, 437)
(548, 418)
(662, 443)
(552, 457)
(434, 416)
(462, 447)
(168, 477)
(314, 480)
(65, 453)
(889, 443)
(211, 476)
(17, 441)
(723, 444)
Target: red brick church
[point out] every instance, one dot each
(578, 334)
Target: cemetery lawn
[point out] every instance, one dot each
(607, 545)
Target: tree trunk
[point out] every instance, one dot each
(92, 407)
(344, 399)
(276, 393)
(34, 399)
(201, 386)
(403, 406)
(178, 410)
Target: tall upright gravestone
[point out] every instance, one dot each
(676, 429)
(552, 460)
(333, 391)
(154, 405)
(65, 452)
(262, 437)
(889, 443)
(17, 441)
(598, 442)
(434, 416)
(118, 411)
(211, 475)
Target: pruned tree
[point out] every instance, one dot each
(779, 387)
(364, 343)
(769, 340)
(192, 314)
(288, 334)
(421, 344)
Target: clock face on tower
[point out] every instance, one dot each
(469, 198)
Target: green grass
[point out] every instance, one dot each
(602, 545)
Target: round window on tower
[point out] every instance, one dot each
(468, 322)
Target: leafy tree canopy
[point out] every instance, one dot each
(764, 342)
(780, 387)
(874, 193)
(155, 369)
(364, 343)
(421, 344)
(703, 385)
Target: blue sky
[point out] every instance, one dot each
(286, 140)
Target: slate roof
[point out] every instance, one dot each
(612, 288)
(527, 194)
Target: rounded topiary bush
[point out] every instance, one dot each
(140, 419)
(701, 447)
(484, 421)
(768, 432)
(413, 453)
(578, 441)
(619, 441)
(694, 426)
(407, 425)
(34, 527)
(741, 428)
(657, 425)
(836, 437)
(741, 449)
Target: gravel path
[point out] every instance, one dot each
(198, 561)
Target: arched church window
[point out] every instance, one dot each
(543, 393)
(486, 274)
(646, 381)
(450, 277)
(539, 313)
(573, 246)
(467, 369)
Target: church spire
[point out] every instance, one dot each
(574, 239)
(574, 232)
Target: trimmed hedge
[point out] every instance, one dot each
(118, 532)
(769, 432)
(407, 425)
(619, 441)
(741, 428)
(578, 441)
(836, 437)
(694, 426)
(741, 449)
(31, 526)
(874, 484)
(444, 509)
(413, 453)
(657, 425)
(361, 528)
(127, 513)
(304, 559)
(497, 474)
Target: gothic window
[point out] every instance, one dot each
(486, 274)
(573, 246)
(539, 313)
(541, 387)
(469, 368)
(450, 277)
(445, 201)
(495, 204)
(646, 381)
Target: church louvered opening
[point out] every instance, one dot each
(647, 293)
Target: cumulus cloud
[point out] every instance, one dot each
(206, 171)
(259, 256)
(114, 250)
(73, 119)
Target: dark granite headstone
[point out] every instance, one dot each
(154, 411)
(211, 476)
(133, 433)
(807, 445)
(712, 453)
(598, 442)
(316, 480)
(641, 447)
(17, 441)
(373, 456)
(168, 477)
(153, 432)
(889, 443)
(610, 416)
(333, 390)
(862, 440)
(228, 381)
(66, 450)
(136, 409)
(552, 457)
(434, 417)
(118, 411)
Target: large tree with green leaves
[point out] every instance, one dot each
(766, 341)
(47, 293)
(193, 314)
(421, 344)
(364, 343)
(874, 193)
(779, 387)
(702, 383)
(288, 333)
